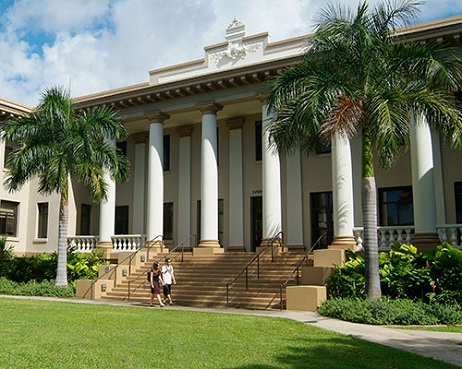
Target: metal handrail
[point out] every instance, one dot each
(114, 270)
(143, 273)
(246, 268)
(296, 270)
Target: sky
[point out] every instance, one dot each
(97, 45)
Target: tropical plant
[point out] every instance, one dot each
(57, 143)
(358, 79)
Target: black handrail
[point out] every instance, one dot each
(114, 270)
(296, 270)
(181, 244)
(255, 258)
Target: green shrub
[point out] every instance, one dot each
(385, 312)
(83, 265)
(44, 288)
(433, 276)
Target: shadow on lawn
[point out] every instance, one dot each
(343, 353)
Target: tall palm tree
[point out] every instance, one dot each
(57, 143)
(358, 78)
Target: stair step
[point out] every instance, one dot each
(202, 280)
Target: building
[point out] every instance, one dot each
(202, 174)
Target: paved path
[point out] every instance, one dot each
(438, 345)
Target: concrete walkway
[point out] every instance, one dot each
(437, 345)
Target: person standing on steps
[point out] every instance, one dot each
(168, 276)
(156, 281)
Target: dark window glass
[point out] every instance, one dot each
(121, 219)
(8, 218)
(85, 219)
(42, 231)
(258, 141)
(458, 194)
(168, 221)
(166, 163)
(396, 207)
(122, 147)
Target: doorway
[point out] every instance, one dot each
(256, 211)
(322, 223)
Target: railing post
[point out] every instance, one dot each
(128, 292)
(280, 297)
(246, 279)
(258, 267)
(227, 295)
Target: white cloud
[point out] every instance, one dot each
(104, 44)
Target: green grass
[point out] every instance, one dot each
(436, 328)
(45, 334)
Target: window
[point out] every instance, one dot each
(122, 147)
(166, 163)
(458, 195)
(396, 206)
(85, 219)
(168, 221)
(42, 228)
(121, 220)
(258, 141)
(8, 217)
(9, 147)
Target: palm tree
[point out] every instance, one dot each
(57, 143)
(358, 78)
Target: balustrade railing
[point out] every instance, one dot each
(389, 236)
(451, 233)
(82, 243)
(128, 242)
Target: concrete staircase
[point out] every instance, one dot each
(202, 280)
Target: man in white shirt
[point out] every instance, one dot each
(168, 276)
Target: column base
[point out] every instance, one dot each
(208, 248)
(343, 243)
(426, 241)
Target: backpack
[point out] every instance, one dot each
(149, 276)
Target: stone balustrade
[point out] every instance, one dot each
(128, 242)
(82, 243)
(389, 236)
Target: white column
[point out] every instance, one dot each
(236, 190)
(184, 185)
(155, 221)
(107, 212)
(294, 200)
(272, 214)
(422, 176)
(342, 184)
(209, 176)
(139, 180)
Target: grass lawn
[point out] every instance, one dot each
(44, 334)
(436, 328)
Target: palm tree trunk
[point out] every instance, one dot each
(369, 208)
(61, 272)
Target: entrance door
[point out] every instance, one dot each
(256, 209)
(322, 223)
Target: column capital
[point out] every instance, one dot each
(156, 116)
(235, 123)
(184, 131)
(209, 108)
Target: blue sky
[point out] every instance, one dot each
(95, 45)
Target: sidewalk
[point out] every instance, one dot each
(437, 345)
